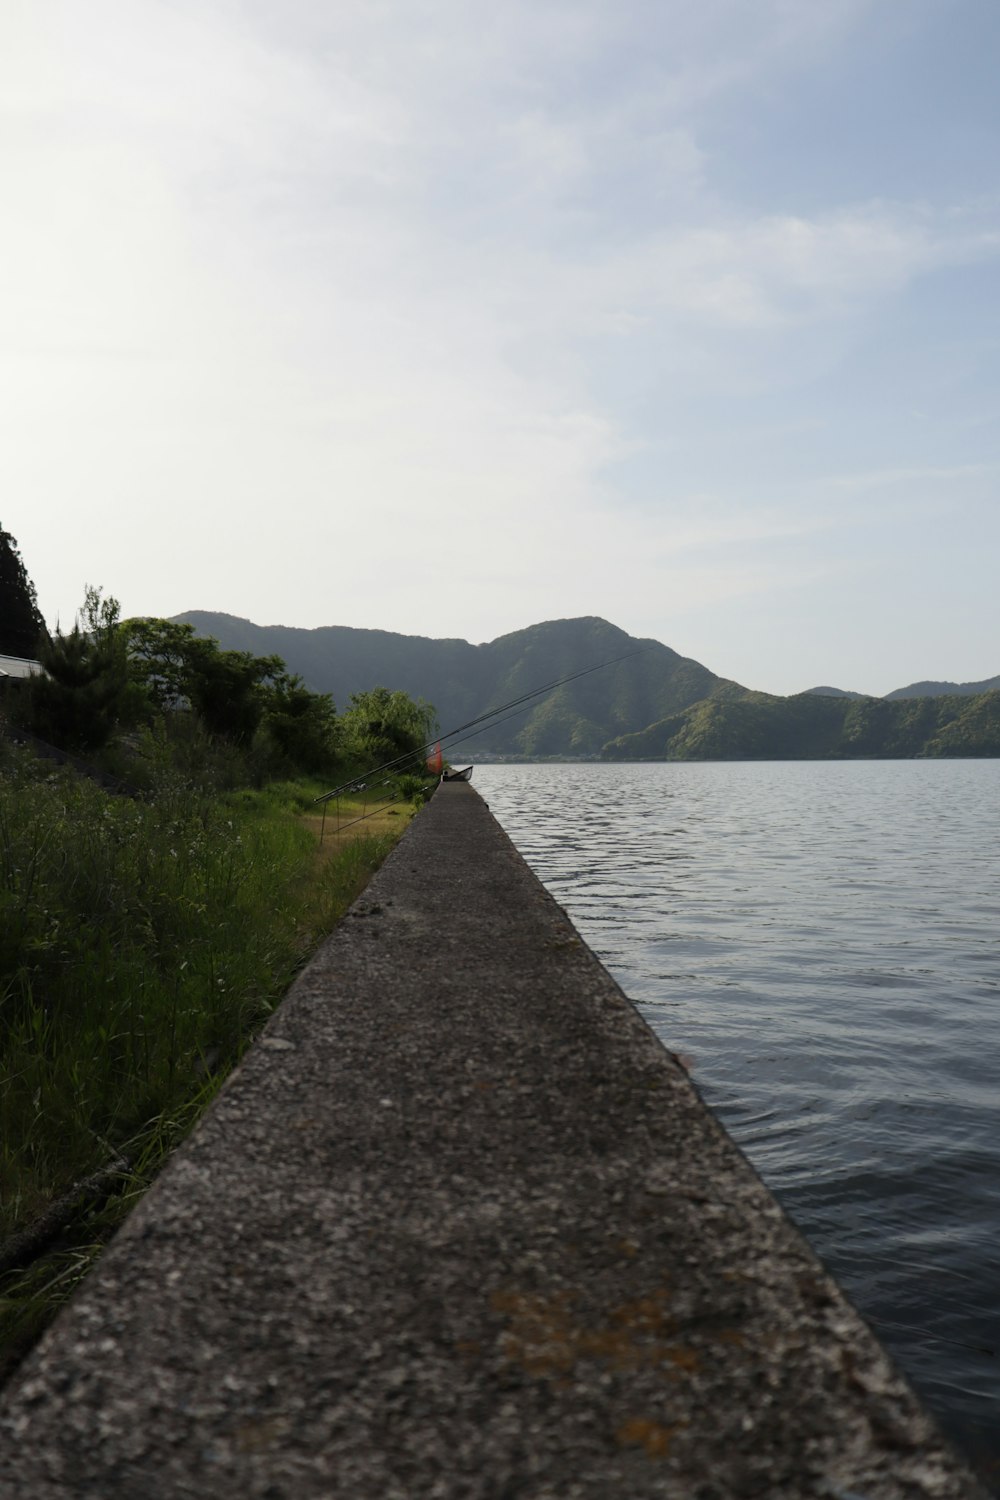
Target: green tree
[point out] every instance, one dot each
(233, 694)
(381, 726)
(21, 623)
(175, 668)
(161, 659)
(84, 692)
(302, 725)
(227, 688)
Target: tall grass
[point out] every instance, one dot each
(142, 944)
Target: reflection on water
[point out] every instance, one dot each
(822, 940)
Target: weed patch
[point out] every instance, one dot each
(142, 946)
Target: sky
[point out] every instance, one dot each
(447, 319)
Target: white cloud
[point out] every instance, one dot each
(877, 479)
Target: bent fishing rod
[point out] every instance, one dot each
(491, 713)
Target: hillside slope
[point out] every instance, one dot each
(815, 727)
(652, 705)
(463, 681)
(944, 689)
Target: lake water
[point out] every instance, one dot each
(821, 939)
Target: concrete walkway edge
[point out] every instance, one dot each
(460, 1227)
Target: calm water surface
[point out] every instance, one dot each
(822, 940)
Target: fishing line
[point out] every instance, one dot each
(927, 1333)
(482, 719)
(363, 818)
(473, 732)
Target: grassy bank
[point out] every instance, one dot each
(142, 945)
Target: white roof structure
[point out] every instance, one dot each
(18, 666)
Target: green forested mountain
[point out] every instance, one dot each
(462, 681)
(655, 705)
(920, 690)
(810, 727)
(945, 689)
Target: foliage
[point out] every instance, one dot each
(161, 660)
(757, 726)
(21, 625)
(84, 692)
(175, 749)
(232, 714)
(221, 718)
(227, 689)
(556, 727)
(973, 731)
(142, 944)
(416, 786)
(233, 695)
(381, 726)
(464, 681)
(176, 668)
(302, 726)
(654, 703)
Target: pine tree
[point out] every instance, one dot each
(21, 625)
(83, 693)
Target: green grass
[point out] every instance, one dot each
(142, 946)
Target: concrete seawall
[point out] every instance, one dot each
(460, 1228)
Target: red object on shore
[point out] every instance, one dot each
(435, 761)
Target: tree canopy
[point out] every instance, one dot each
(234, 694)
(83, 694)
(383, 726)
(21, 623)
(156, 698)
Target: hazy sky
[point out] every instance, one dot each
(448, 318)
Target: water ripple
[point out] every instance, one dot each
(822, 939)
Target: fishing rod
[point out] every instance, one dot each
(357, 782)
(473, 732)
(547, 687)
(481, 719)
(363, 817)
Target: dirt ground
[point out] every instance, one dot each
(353, 820)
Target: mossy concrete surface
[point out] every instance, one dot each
(461, 1228)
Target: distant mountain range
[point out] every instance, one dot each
(832, 692)
(812, 726)
(462, 681)
(946, 689)
(921, 690)
(653, 704)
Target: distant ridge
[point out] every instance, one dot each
(945, 689)
(462, 680)
(814, 726)
(656, 705)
